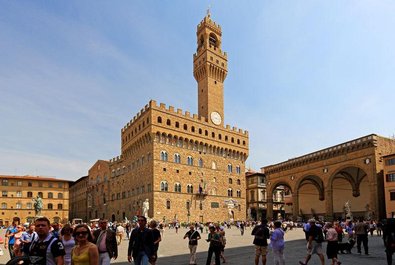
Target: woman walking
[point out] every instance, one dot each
(332, 247)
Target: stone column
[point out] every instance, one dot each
(329, 203)
(295, 205)
(269, 207)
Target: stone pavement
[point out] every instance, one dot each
(173, 250)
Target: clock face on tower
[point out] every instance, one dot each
(216, 118)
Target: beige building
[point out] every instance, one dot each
(78, 199)
(256, 195)
(17, 193)
(190, 167)
(389, 185)
(323, 182)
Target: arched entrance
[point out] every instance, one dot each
(310, 194)
(279, 201)
(351, 185)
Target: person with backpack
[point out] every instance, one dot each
(193, 236)
(314, 243)
(45, 249)
(261, 234)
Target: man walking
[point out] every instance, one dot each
(106, 242)
(45, 249)
(193, 236)
(141, 243)
(261, 234)
(314, 243)
(361, 230)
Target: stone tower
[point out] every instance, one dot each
(210, 69)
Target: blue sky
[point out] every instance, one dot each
(303, 75)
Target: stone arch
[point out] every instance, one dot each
(315, 181)
(350, 184)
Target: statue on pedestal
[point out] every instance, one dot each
(347, 210)
(145, 208)
(38, 205)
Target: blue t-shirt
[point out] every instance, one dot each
(11, 239)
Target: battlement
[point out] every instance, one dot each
(213, 49)
(115, 159)
(340, 149)
(208, 22)
(138, 115)
(187, 115)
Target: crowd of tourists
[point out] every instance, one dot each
(45, 243)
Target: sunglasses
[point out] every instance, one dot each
(84, 233)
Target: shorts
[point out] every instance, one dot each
(316, 248)
(260, 250)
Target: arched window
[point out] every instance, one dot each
(50, 206)
(168, 204)
(50, 195)
(177, 158)
(213, 40)
(220, 136)
(230, 181)
(190, 160)
(213, 134)
(177, 187)
(238, 182)
(163, 155)
(230, 193)
(200, 131)
(188, 205)
(230, 168)
(238, 192)
(213, 165)
(193, 129)
(238, 171)
(185, 127)
(190, 188)
(200, 162)
(159, 119)
(177, 124)
(168, 122)
(60, 206)
(164, 186)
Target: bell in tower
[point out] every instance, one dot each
(210, 69)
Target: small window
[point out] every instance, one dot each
(4, 182)
(238, 182)
(4, 193)
(29, 184)
(168, 204)
(177, 124)
(60, 206)
(230, 168)
(50, 195)
(19, 194)
(168, 122)
(50, 206)
(193, 129)
(159, 119)
(392, 196)
(185, 127)
(200, 162)
(29, 205)
(19, 183)
(50, 185)
(19, 205)
(230, 181)
(177, 187)
(29, 194)
(3, 205)
(238, 192)
(189, 188)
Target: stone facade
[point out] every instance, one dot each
(18, 193)
(78, 199)
(389, 185)
(323, 181)
(256, 195)
(189, 167)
